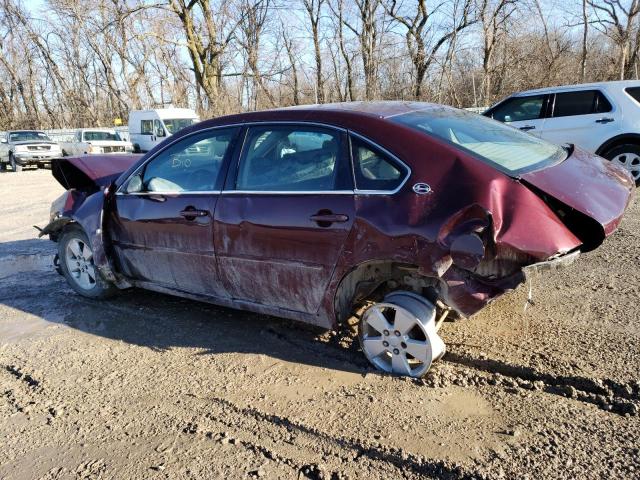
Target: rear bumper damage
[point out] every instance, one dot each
(557, 263)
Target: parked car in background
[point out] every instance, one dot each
(399, 213)
(147, 128)
(92, 141)
(602, 118)
(22, 148)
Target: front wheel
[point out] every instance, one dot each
(76, 263)
(398, 335)
(14, 165)
(628, 157)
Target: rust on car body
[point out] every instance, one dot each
(464, 240)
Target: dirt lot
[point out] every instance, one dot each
(150, 386)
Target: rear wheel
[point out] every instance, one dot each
(76, 263)
(14, 165)
(628, 157)
(399, 335)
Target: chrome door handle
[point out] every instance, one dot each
(526, 128)
(605, 120)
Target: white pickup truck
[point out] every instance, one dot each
(88, 141)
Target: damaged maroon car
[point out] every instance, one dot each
(397, 213)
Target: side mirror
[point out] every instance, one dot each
(4, 140)
(160, 132)
(507, 118)
(134, 185)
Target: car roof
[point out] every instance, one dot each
(340, 114)
(26, 131)
(580, 86)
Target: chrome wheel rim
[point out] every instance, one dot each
(79, 260)
(631, 162)
(395, 340)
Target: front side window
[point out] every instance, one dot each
(373, 169)
(584, 102)
(175, 124)
(519, 109)
(290, 158)
(146, 127)
(191, 165)
(505, 148)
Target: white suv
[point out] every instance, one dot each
(603, 118)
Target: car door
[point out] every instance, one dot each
(584, 117)
(162, 223)
(284, 216)
(524, 112)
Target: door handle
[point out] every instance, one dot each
(191, 213)
(605, 120)
(526, 128)
(328, 218)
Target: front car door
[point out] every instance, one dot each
(526, 113)
(284, 216)
(583, 117)
(162, 224)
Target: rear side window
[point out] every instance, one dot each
(146, 127)
(293, 158)
(373, 169)
(518, 109)
(584, 102)
(634, 92)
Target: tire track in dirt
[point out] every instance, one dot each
(293, 443)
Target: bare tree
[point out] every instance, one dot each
(423, 43)
(314, 10)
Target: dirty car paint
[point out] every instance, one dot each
(262, 253)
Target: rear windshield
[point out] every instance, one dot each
(504, 147)
(99, 136)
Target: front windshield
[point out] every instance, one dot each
(175, 124)
(100, 136)
(504, 147)
(28, 137)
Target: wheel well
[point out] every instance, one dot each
(624, 139)
(371, 281)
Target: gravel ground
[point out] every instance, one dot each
(151, 386)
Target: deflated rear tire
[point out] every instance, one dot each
(628, 157)
(398, 335)
(76, 263)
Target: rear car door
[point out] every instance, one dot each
(526, 113)
(284, 216)
(162, 223)
(584, 117)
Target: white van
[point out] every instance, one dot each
(147, 128)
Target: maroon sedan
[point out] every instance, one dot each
(399, 213)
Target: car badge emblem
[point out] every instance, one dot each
(422, 188)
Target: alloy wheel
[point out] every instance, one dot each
(399, 336)
(79, 261)
(631, 162)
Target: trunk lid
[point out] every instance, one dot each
(584, 189)
(91, 172)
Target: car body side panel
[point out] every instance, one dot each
(270, 252)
